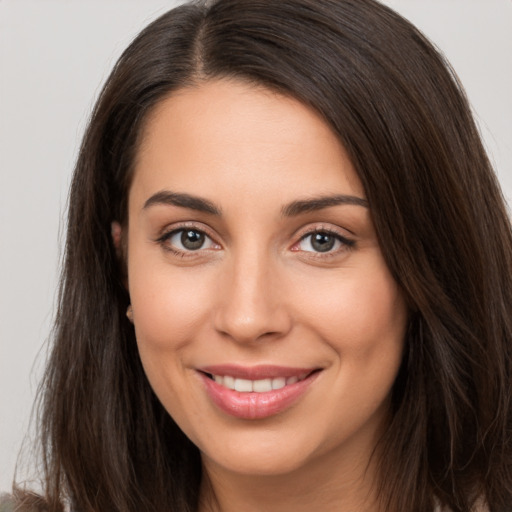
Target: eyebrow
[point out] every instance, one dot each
(167, 197)
(319, 203)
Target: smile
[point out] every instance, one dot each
(256, 393)
(256, 386)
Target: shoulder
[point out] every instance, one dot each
(6, 503)
(25, 502)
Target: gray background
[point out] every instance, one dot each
(54, 56)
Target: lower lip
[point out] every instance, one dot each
(254, 406)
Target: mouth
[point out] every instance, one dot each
(257, 392)
(256, 386)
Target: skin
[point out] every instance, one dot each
(259, 293)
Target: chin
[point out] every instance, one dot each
(263, 462)
(264, 451)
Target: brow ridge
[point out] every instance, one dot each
(167, 197)
(183, 200)
(318, 203)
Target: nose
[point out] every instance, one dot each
(251, 305)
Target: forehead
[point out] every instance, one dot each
(235, 137)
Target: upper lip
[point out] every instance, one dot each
(255, 372)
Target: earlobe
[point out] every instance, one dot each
(129, 313)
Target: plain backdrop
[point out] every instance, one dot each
(54, 57)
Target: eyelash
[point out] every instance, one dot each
(163, 240)
(347, 244)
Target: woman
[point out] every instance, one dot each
(288, 276)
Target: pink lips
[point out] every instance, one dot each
(256, 405)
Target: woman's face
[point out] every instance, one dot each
(253, 264)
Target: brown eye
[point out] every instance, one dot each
(324, 242)
(192, 240)
(188, 239)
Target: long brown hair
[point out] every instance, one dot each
(398, 109)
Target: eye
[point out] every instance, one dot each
(323, 242)
(188, 239)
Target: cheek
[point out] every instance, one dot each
(359, 312)
(170, 307)
(169, 304)
(362, 317)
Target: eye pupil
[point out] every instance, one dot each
(322, 242)
(192, 240)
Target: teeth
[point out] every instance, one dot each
(261, 386)
(229, 382)
(243, 385)
(278, 383)
(258, 386)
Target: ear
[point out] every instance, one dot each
(119, 242)
(116, 232)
